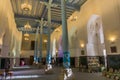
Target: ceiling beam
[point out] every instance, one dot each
(73, 4)
(44, 12)
(33, 30)
(37, 19)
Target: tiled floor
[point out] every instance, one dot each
(38, 74)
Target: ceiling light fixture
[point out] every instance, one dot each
(45, 41)
(26, 35)
(27, 26)
(26, 39)
(26, 7)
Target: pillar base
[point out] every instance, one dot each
(35, 64)
(48, 69)
(66, 74)
(40, 66)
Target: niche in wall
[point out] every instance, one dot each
(32, 45)
(113, 49)
(0, 50)
(83, 60)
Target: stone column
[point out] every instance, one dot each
(36, 47)
(48, 57)
(66, 55)
(41, 32)
(66, 58)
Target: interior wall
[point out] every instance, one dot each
(77, 29)
(8, 29)
(26, 45)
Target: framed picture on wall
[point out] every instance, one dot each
(82, 52)
(113, 49)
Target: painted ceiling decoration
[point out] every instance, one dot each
(33, 10)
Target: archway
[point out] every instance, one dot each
(60, 51)
(95, 45)
(54, 51)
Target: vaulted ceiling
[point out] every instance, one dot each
(39, 10)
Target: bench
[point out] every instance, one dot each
(2, 71)
(8, 73)
(5, 72)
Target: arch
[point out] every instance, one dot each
(95, 43)
(60, 50)
(54, 48)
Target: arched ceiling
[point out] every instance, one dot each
(39, 10)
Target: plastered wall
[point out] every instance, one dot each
(10, 37)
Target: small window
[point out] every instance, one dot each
(113, 49)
